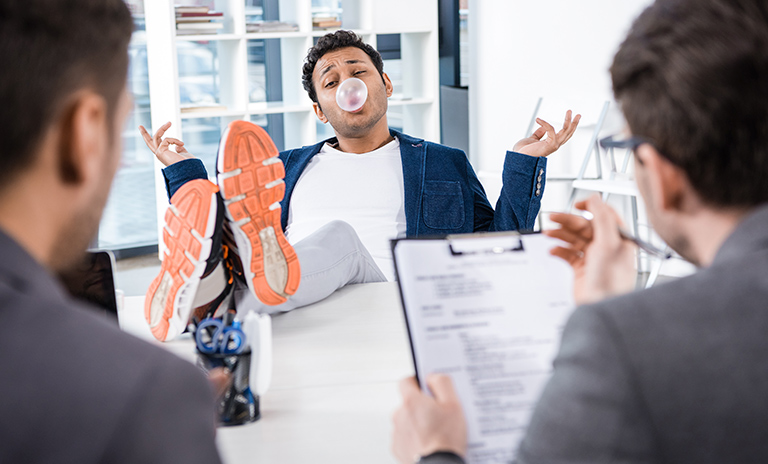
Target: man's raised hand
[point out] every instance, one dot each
(535, 146)
(161, 147)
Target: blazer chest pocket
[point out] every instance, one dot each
(443, 204)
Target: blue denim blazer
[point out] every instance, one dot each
(442, 192)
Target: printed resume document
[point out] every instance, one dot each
(487, 309)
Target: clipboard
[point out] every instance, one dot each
(488, 310)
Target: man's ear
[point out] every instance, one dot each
(666, 183)
(84, 134)
(319, 112)
(388, 84)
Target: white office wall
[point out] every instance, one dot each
(520, 50)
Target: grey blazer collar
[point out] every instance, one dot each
(750, 235)
(19, 270)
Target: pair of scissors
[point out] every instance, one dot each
(213, 337)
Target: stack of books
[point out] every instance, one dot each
(271, 26)
(197, 20)
(326, 22)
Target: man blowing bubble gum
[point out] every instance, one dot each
(302, 223)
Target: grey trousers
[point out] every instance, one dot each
(330, 258)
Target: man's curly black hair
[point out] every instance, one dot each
(329, 43)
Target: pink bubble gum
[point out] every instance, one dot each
(351, 94)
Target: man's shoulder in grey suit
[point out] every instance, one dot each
(75, 388)
(718, 315)
(674, 373)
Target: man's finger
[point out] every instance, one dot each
(582, 204)
(551, 134)
(441, 387)
(539, 133)
(174, 141)
(618, 218)
(604, 222)
(147, 138)
(161, 131)
(409, 387)
(573, 223)
(567, 122)
(566, 125)
(568, 255)
(572, 129)
(574, 239)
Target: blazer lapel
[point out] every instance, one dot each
(413, 155)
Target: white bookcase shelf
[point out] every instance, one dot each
(208, 37)
(226, 70)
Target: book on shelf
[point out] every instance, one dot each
(326, 24)
(207, 14)
(319, 19)
(201, 108)
(198, 18)
(271, 26)
(199, 26)
(181, 9)
(323, 22)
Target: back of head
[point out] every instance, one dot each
(50, 49)
(692, 76)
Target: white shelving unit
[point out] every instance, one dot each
(232, 82)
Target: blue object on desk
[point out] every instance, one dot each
(213, 337)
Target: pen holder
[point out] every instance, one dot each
(238, 405)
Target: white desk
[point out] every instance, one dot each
(334, 384)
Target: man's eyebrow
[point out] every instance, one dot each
(331, 66)
(326, 69)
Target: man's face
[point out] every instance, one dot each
(333, 68)
(84, 223)
(665, 222)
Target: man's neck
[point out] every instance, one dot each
(373, 139)
(31, 224)
(709, 229)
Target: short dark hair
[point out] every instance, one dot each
(329, 43)
(692, 76)
(49, 49)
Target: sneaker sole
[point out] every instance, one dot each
(190, 224)
(250, 176)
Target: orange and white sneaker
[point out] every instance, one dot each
(250, 176)
(192, 273)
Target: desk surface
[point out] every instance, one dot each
(334, 382)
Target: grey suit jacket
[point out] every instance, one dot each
(677, 373)
(75, 389)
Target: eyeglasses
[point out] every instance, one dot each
(631, 143)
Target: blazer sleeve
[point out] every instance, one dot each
(171, 419)
(523, 180)
(589, 410)
(181, 172)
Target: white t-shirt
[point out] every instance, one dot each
(365, 190)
